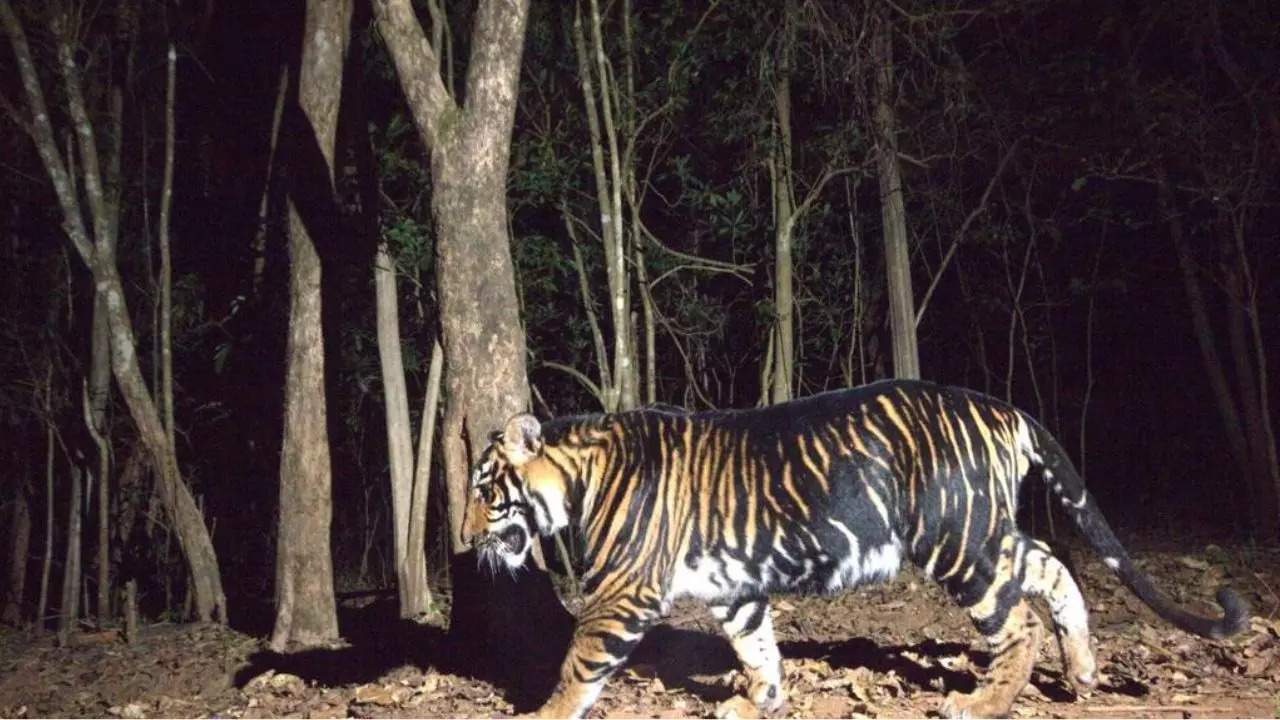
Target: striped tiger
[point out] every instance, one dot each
(808, 496)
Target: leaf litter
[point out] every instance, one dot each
(889, 651)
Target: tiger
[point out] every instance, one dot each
(809, 496)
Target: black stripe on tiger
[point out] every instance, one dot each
(812, 496)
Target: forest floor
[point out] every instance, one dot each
(887, 651)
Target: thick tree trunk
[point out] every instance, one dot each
(484, 343)
(306, 614)
(906, 356)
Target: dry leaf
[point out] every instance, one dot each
(829, 706)
(784, 606)
(1258, 666)
(859, 680)
(891, 682)
(736, 707)
(371, 694)
(287, 683)
(1193, 563)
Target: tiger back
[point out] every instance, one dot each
(810, 496)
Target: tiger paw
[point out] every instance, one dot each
(1079, 666)
(766, 694)
(977, 704)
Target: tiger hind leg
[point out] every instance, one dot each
(1015, 645)
(992, 593)
(750, 629)
(1046, 577)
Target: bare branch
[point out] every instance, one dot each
(83, 126)
(964, 229)
(418, 66)
(738, 270)
(584, 289)
(816, 190)
(41, 129)
(7, 105)
(580, 377)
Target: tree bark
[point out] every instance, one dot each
(306, 614)
(484, 343)
(906, 355)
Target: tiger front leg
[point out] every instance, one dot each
(602, 641)
(750, 629)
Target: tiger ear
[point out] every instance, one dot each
(522, 438)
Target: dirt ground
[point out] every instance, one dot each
(888, 651)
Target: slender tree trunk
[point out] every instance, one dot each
(1258, 442)
(165, 389)
(415, 573)
(906, 356)
(646, 382)
(99, 396)
(784, 356)
(47, 565)
(596, 92)
(69, 613)
(306, 614)
(650, 379)
(100, 377)
(98, 252)
(260, 233)
(415, 599)
(19, 548)
(613, 227)
(1263, 519)
(1089, 381)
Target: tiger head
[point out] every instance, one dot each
(513, 494)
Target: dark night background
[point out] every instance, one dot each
(1100, 96)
